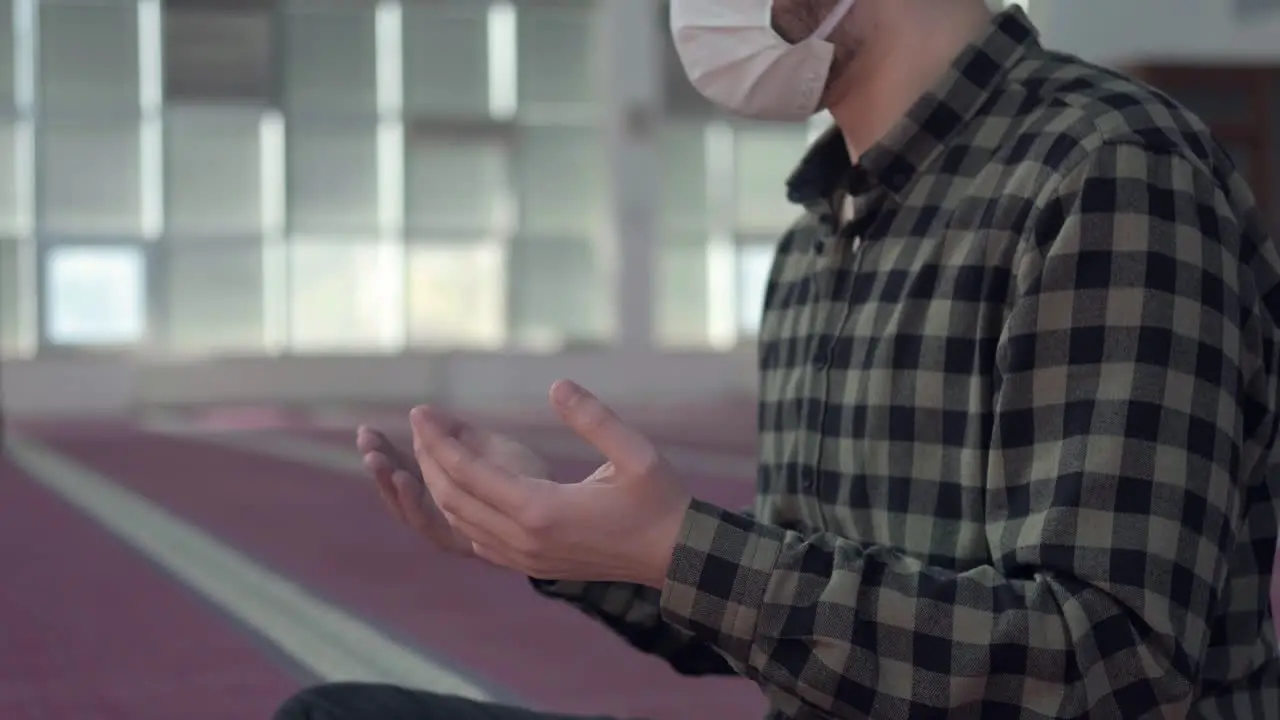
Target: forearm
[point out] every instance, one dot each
(633, 613)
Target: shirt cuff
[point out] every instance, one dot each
(719, 575)
(559, 589)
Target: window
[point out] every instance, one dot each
(456, 295)
(90, 178)
(344, 296)
(562, 178)
(764, 157)
(558, 293)
(555, 40)
(213, 171)
(219, 51)
(457, 184)
(16, 287)
(683, 287)
(8, 56)
(95, 295)
(754, 262)
(682, 291)
(330, 58)
(89, 57)
(722, 179)
(15, 146)
(447, 66)
(212, 295)
(332, 178)
(684, 176)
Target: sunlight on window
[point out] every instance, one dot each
(456, 295)
(390, 142)
(344, 295)
(754, 263)
(503, 60)
(96, 295)
(151, 106)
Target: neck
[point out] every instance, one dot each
(907, 48)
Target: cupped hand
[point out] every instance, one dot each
(398, 478)
(621, 524)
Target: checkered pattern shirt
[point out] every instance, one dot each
(1017, 414)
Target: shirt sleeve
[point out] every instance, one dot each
(633, 613)
(1131, 405)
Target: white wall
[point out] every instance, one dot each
(1114, 31)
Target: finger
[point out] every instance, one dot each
(592, 420)
(411, 496)
(379, 468)
(387, 494)
(473, 534)
(429, 468)
(468, 515)
(495, 556)
(376, 462)
(421, 512)
(466, 433)
(371, 440)
(482, 442)
(463, 508)
(467, 469)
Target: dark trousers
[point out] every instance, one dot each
(363, 701)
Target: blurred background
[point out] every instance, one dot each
(230, 230)
(305, 200)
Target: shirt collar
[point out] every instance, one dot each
(929, 125)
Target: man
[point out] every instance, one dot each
(1017, 407)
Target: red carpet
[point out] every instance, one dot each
(328, 532)
(91, 631)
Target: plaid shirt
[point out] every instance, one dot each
(1017, 415)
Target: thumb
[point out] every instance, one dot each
(628, 450)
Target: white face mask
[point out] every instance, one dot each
(733, 56)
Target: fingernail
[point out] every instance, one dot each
(419, 417)
(565, 392)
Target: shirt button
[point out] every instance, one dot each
(808, 481)
(819, 247)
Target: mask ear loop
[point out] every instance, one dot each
(828, 26)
